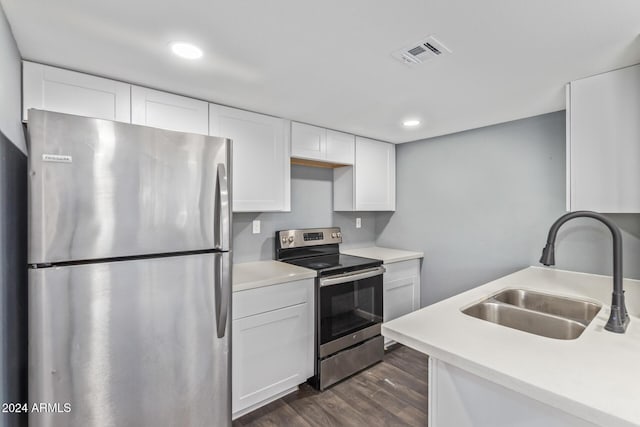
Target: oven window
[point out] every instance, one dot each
(349, 307)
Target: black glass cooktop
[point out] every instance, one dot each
(335, 264)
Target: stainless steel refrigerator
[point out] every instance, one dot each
(129, 275)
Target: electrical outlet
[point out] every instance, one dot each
(358, 222)
(256, 226)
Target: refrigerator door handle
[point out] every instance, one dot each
(222, 291)
(222, 213)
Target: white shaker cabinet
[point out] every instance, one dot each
(324, 145)
(401, 290)
(64, 91)
(272, 341)
(340, 147)
(308, 142)
(603, 142)
(370, 185)
(261, 168)
(168, 111)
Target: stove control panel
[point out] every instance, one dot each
(315, 235)
(308, 237)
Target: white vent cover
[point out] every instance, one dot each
(420, 51)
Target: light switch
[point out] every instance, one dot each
(256, 226)
(358, 222)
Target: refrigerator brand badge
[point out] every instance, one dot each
(57, 158)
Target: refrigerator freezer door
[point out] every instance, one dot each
(130, 343)
(102, 189)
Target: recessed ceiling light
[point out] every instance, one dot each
(186, 50)
(411, 123)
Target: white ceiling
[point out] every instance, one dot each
(329, 62)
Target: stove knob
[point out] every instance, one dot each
(334, 235)
(338, 234)
(284, 240)
(290, 239)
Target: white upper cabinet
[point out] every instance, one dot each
(370, 185)
(308, 142)
(603, 142)
(340, 147)
(325, 145)
(64, 91)
(168, 111)
(261, 168)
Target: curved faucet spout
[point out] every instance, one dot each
(619, 318)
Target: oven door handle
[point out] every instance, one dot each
(353, 276)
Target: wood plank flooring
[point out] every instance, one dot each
(391, 393)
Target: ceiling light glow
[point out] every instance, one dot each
(186, 50)
(411, 123)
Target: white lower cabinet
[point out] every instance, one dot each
(401, 285)
(272, 345)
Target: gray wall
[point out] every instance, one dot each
(13, 236)
(479, 204)
(311, 206)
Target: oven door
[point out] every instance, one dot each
(350, 309)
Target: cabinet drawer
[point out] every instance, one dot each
(402, 269)
(268, 298)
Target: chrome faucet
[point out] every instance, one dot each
(619, 318)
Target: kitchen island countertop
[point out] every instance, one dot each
(594, 377)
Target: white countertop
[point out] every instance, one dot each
(595, 377)
(386, 255)
(249, 275)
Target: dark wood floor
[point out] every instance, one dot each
(391, 393)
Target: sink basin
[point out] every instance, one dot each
(574, 309)
(536, 313)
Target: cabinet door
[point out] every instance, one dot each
(340, 147)
(375, 175)
(401, 288)
(168, 111)
(270, 355)
(308, 142)
(261, 168)
(64, 91)
(400, 297)
(603, 149)
(462, 399)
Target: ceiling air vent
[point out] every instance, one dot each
(417, 53)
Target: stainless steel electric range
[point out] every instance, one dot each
(348, 305)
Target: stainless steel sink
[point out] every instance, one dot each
(579, 310)
(537, 313)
